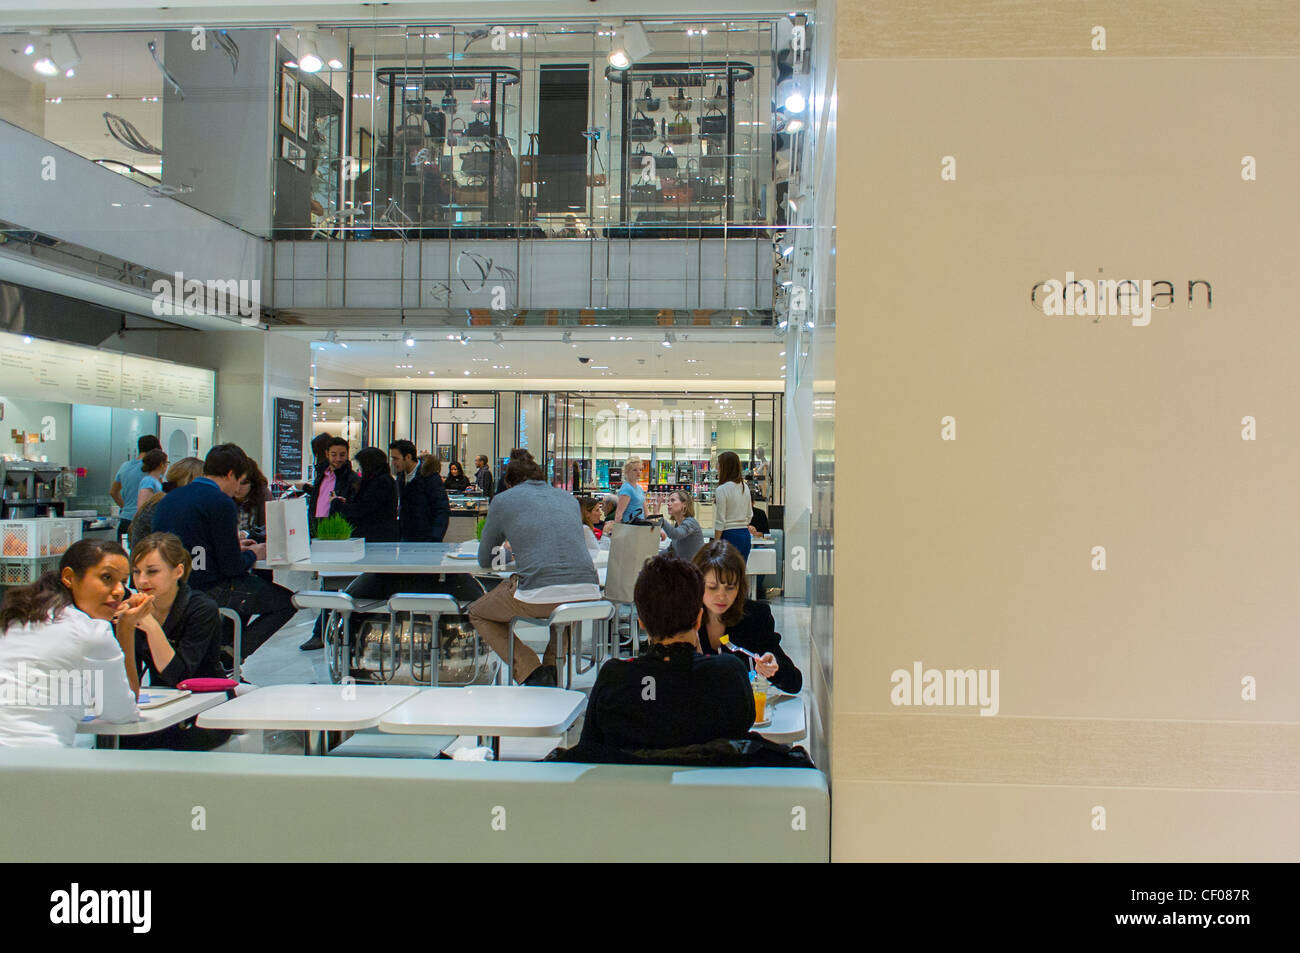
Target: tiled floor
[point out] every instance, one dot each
(280, 662)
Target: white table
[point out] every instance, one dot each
(388, 558)
(789, 719)
(314, 709)
(151, 719)
(488, 711)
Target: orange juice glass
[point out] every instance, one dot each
(760, 706)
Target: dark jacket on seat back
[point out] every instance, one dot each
(372, 510)
(423, 509)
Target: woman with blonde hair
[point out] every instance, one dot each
(685, 533)
(180, 637)
(631, 498)
(178, 474)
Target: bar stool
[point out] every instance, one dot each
(600, 612)
(435, 606)
(336, 643)
(233, 616)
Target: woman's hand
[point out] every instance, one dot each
(766, 665)
(132, 611)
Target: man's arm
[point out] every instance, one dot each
(492, 537)
(115, 491)
(228, 560)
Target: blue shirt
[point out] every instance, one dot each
(635, 502)
(207, 522)
(150, 483)
(129, 475)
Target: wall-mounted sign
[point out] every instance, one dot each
(288, 439)
(464, 415)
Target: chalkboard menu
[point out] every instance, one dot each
(288, 438)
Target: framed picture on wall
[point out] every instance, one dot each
(288, 100)
(295, 153)
(304, 112)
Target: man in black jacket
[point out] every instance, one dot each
(423, 510)
(483, 475)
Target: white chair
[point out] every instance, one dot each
(435, 606)
(233, 616)
(338, 639)
(567, 615)
(630, 548)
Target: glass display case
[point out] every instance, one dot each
(688, 150)
(447, 152)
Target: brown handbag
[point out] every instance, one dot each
(597, 180)
(528, 162)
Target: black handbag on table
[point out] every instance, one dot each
(641, 128)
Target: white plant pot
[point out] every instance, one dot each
(338, 550)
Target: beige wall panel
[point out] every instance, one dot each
(883, 821)
(1072, 432)
(949, 29)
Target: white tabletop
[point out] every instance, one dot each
(789, 721)
(388, 558)
(761, 560)
(156, 719)
(516, 710)
(308, 707)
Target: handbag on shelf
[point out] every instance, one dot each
(711, 125)
(646, 190)
(718, 100)
(677, 190)
(679, 130)
(471, 193)
(680, 102)
(641, 128)
(637, 164)
(713, 190)
(479, 127)
(449, 101)
(598, 179)
(648, 101)
(713, 161)
(528, 162)
(453, 134)
(476, 161)
(667, 159)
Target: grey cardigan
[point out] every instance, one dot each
(687, 538)
(544, 527)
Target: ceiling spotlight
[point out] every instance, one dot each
(309, 58)
(29, 49)
(668, 340)
(332, 337)
(410, 340)
(567, 338)
(332, 50)
(791, 95)
(464, 338)
(628, 45)
(65, 52)
(44, 62)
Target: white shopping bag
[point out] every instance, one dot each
(287, 540)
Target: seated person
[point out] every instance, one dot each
(76, 618)
(251, 497)
(748, 624)
(593, 512)
(684, 531)
(456, 481)
(544, 530)
(180, 636)
(178, 474)
(203, 514)
(671, 695)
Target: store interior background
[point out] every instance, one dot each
(1119, 690)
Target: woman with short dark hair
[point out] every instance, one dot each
(670, 695)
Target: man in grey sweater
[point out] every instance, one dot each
(542, 527)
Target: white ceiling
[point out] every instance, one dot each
(698, 360)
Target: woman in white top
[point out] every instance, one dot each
(67, 648)
(732, 509)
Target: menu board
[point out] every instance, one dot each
(288, 439)
(52, 370)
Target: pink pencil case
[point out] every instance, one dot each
(199, 685)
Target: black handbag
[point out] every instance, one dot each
(713, 161)
(711, 125)
(645, 192)
(476, 161)
(641, 128)
(479, 127)
(648, 100)
(666, 160)
(712, 190)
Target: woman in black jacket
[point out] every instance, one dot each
(456, 481)
(747, 624)
(372, 508)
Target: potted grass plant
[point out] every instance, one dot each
(334, 541)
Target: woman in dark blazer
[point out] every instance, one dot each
(181, 637)
(746, 623)
(372, 507)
